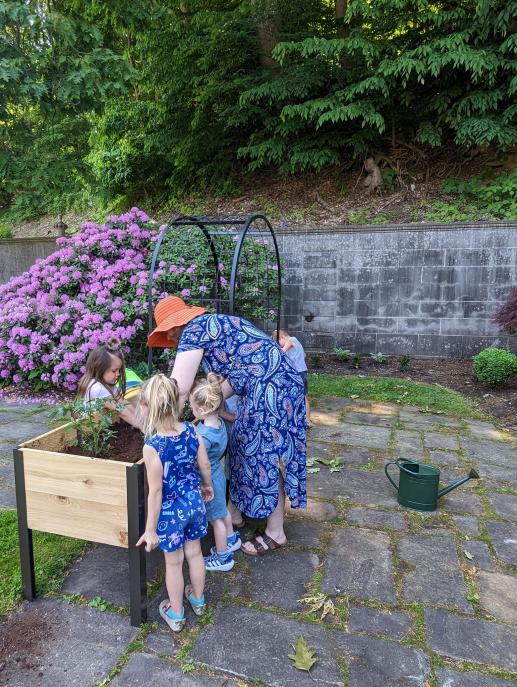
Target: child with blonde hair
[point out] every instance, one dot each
(294, 351)
(205, 400)
(178, 474)
(105, 378)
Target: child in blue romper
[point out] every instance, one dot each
(178, 474)
(294, 351)
(205, 400)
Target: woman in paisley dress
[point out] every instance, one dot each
(268, 440)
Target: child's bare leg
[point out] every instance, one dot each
(220, 536)
(235, 513)
(228, 524)
(174, 579)
(308, 409)
(196, 566)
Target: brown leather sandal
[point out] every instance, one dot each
(261, 550)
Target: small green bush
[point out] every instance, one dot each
(356, 361)
(404, 362)
(378, 357)
(495, 366)
(315, 360)
(5, 232)
(342, 354)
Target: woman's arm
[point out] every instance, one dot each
(154, 469)
(186, 365)
(204, 468)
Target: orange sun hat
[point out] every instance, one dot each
(171, 312)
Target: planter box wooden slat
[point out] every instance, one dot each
(94, 499)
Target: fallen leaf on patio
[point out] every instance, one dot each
(311, 471)
(468, 555)
(319, 602)
(354, 395)
(303, 657)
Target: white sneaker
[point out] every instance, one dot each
(216, 563)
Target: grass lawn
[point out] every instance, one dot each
(52, 556)
(429, 397)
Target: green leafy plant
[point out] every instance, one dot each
(315, 360)
(93, 423)
(495, 366)
(356, 361)
(404, 362)
(378, 357)
(360, 216)
(99, 603)
(343, 354)
(5, 232)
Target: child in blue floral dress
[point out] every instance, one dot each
(179, 478)
(205, 400)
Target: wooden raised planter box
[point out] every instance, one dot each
(95, 499)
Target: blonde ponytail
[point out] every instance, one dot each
(207, 393)
(160, 395)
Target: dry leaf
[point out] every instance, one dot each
(319, 602)
(354, 395)
(311, 471)
(303, 657)
(468, 555)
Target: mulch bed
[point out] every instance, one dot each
(23, 639)
(500, 403)
(125, 445)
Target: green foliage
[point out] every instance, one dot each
(356, 361)
(495, 366)
(342, 354)
(378, 357)
(404, 362)
(315, 360)
(5, 232)
(93, 424)
(360, 216)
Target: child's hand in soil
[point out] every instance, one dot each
(150, 539)
(207, 493)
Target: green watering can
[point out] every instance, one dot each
(418, 484)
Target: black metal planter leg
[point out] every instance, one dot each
(24, 533)
(136, 526)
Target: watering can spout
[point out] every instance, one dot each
(472, 475)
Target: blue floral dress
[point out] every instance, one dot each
(269, 433)
(183, 513)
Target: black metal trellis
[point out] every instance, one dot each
(249, 235)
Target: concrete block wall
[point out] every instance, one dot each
(426, 290)
(17, 255)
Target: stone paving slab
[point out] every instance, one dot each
(450, 458)
(497, 472)
(7, 471)
(504, 505)
(436, 440)
(163, 642)
(316, 510)
(7, 498)
(255, 645)
(460, 501)
(18, 431)
(394, 624)
(413, 415)
(480, 554)
(279, 582)
(104, 571)
(360, 564)
(145, 670)
(494, 452)
(379, 663)
(467, 524)
(353, 435)
(379, 518)
(370, 419)
(409, 445)
(434, 575)
(303, 533)
(367, 488)
(504, 540)
(81, 645)
(470, 639)
(498, 595)
(451, 678)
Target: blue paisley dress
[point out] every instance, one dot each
(269, 433)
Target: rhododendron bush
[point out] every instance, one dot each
(95, 286)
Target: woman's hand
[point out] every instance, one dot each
(150, 539)
(207, 493)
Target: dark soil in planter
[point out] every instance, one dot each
(125, 445)
(500, 402)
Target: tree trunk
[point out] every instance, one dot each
(340, 11)
(266, 17)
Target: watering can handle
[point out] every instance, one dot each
(388, 474)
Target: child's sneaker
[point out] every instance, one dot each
(197, 605)
(175, 622)
(219, 563)
(234, 544)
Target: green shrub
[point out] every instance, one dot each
(495, 366)
(378, 357)
(356, 361)
(315, 360)
(342, 354)
(404, 362)
(5, 232)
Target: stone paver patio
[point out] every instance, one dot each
(421, 600)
